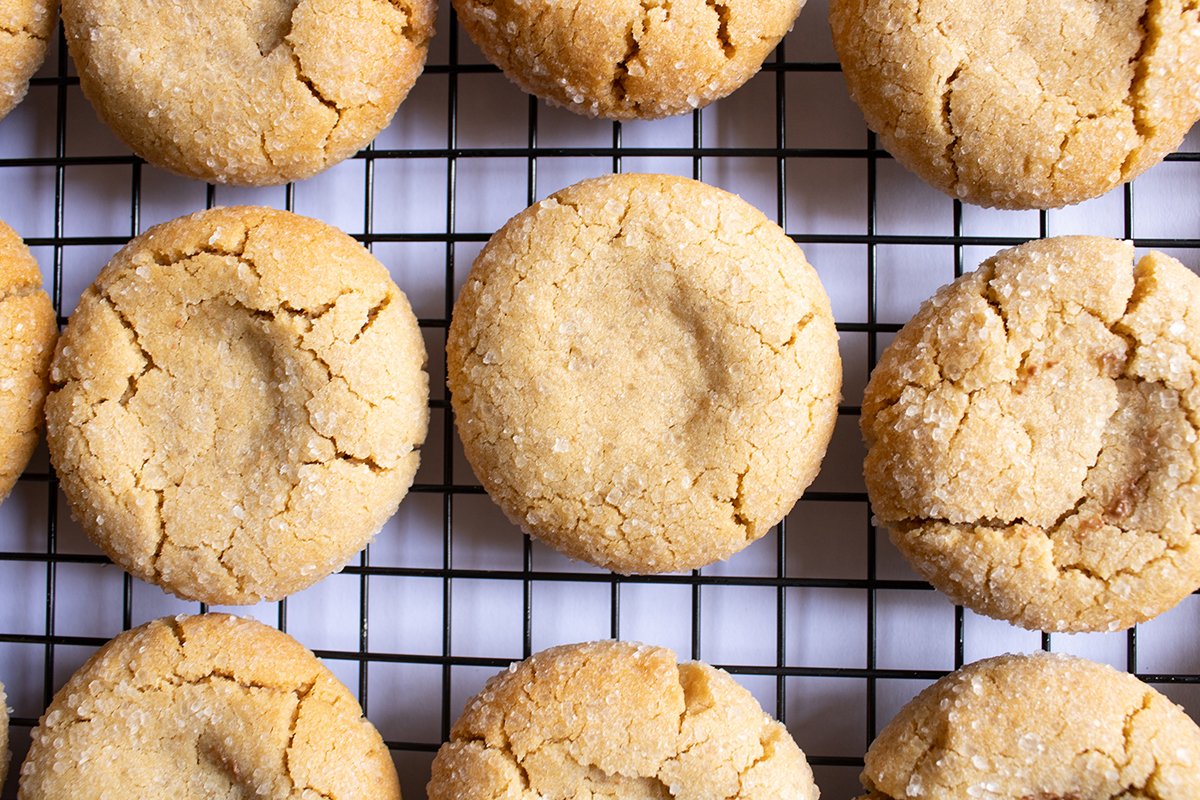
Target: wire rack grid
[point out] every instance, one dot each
(821, 620)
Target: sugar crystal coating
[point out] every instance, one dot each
(25, 30)
(250, 94)
(644, 372)
(617, 719)
(1017, 104)
(628, 59)
(1039, 727)
(1034, 436)
(28, 329)
(238, 403)
(201, 707)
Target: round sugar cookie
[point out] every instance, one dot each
(201, 707)
(644, 372)
(1033, 436)
(617, 719)
(25, 30)
(247, 93)
(1022, 105)
(237, 405)
(1038, 727)
(28, 328)
(627, 59)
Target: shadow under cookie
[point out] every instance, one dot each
(238, 401)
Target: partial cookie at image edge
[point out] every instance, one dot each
(611, 716)
(24, 39)
(28, 330)
(242, 703)
(1043, 725)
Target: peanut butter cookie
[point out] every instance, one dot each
(5, 755)
(1023, 104)
(628, 59)
(247, 93)
(237, 406)
(1033, 436)
(644, 371)
(1045, 726)
(28, 328)
(202, 707)
(617, 719)
(25, 30)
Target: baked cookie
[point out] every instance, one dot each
(1039, 726)
(1032, 436)
(201, 707)
(25, 30)
(1023, 105)
(617, 719)
(628, 59)
(237, 405)
(247, 93)
(644, 371)
(28, 328)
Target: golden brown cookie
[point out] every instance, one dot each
(202, 707)
(1039, 727)
(1033, 436)
(644, 371)
(1023, 104)
(237, 404)
(247, 93)
(28, 328)
(617, 719)
(628, 59)
(25, 30)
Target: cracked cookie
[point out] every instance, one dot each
(237, 404)
(1045, 726)
(28, 328)
(631, 59)
(617, 719)
(644, 372)
(25, 30)
(250, 93)
(1032, 436)
(1018, 104)
(201, 707)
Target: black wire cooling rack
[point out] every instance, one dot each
(821, 619)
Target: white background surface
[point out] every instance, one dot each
(822, 577)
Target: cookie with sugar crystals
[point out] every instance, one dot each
(1034, 436)
(206, 706)
(25, 30)
(1040, 726)
(617, 719)
(644, 372)
(238, 404)
(28, 329)
(627, 59)
(1022, 105)
(247, 93)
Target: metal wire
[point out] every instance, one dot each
(451, 488)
